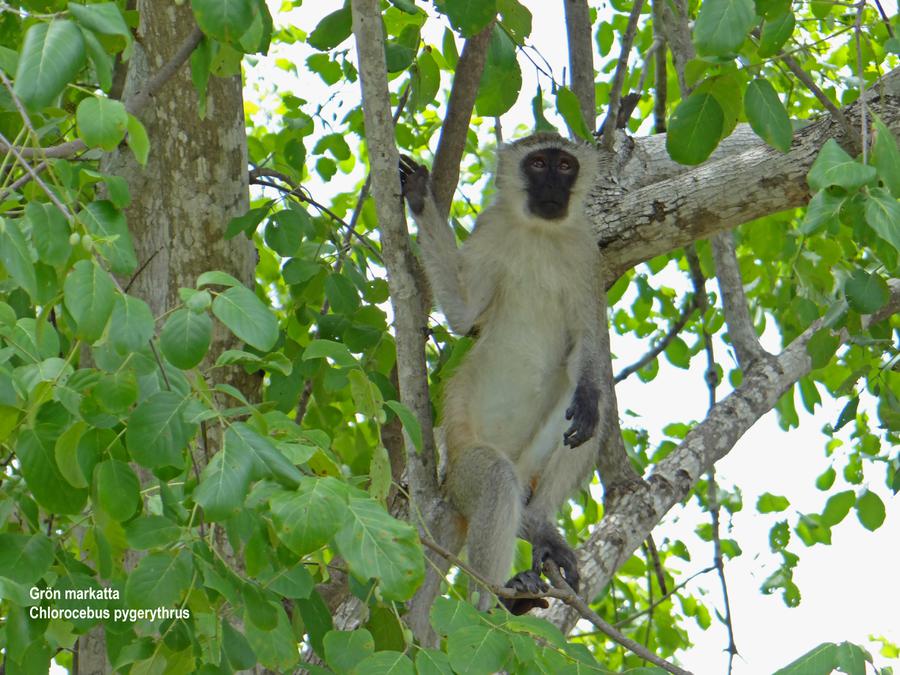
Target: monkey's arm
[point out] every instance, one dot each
(585, 371)
(460, 303)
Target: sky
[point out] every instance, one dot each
(849, 589)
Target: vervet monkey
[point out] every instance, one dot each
(519, 411)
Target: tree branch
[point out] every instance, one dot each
(581, 58)
(660, 346)
(741, 332)
(615, 92)
(632, 518)
(452, 142)
(133, 105)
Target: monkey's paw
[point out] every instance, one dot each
(584, 415)
(413, 183)
(528, 581)
(559, 553)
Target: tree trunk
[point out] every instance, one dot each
(195, 181)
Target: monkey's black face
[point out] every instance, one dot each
(550, 175)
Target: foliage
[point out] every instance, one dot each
(106, 408)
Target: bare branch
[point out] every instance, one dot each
(581, 58)
(660, 345)
(633, 517)
(741, 332)
(615, 92)
(822, 97)
(452, 142)
(571, 598)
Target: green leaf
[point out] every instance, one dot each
(65, 450)
(185, 338)
(821, 347)
(501, 79)
(833, 166)
(335, 351)
(385, 662)
(332, 30)
(102, 122)
(224, 482)
(568, 106)
(238, 650)
(224, 20)
(112, 239)
(837, 507)
(345, 649)
(277, 648)
(307, 519)
(516, 19)
(116, 489)
(89, 295)
(432, 662)
(99, 58)
(426, 81)
(52, 54)
(848, 414)
(410, 422)
(215, 277)
(722, 26)
(267, 459)
(826, 479)
(822, 659)
(15, 256)
(247, 317)
(151, 532)
(138, 140)
(769, 503)
(767, 115)
(131, 325)
(294, 583)
(695, 129)
(885, 156)
(469, 17)
(25, 558)
(852, 659)
(49, 232)
(101, 17)
(157, 433)
(883, 215)
(870, 510)
(37, 462)
(866, 293)
(775, 32)
(822, 208)
(379, 546)
(284, 232)
(478, 649)
(159, 580)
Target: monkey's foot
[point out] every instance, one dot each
(528, 581)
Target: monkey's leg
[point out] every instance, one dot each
(566, 470)
(483, 485)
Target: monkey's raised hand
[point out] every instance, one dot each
(413, 183)
(583, 413)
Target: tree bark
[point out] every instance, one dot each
(195, 181)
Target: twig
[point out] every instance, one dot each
(712, 380)
(572, 599)
(615, 92)
(864, 125)
(21, 159)
(661, 345)
(581, 58)
(822, 97)
(461, 102)
(884, 18)
(17, 102)
(631, 617)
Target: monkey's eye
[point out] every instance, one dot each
(538, 163)
(565, 165)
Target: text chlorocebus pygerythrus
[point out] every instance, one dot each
(520, 412)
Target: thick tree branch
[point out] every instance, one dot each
(635, 226)
(734, 302)
(133, 105)
(632, 518)
(452, 142)
(581, 58)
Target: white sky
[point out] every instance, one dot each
(849, 589)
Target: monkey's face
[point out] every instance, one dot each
(550, 175)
